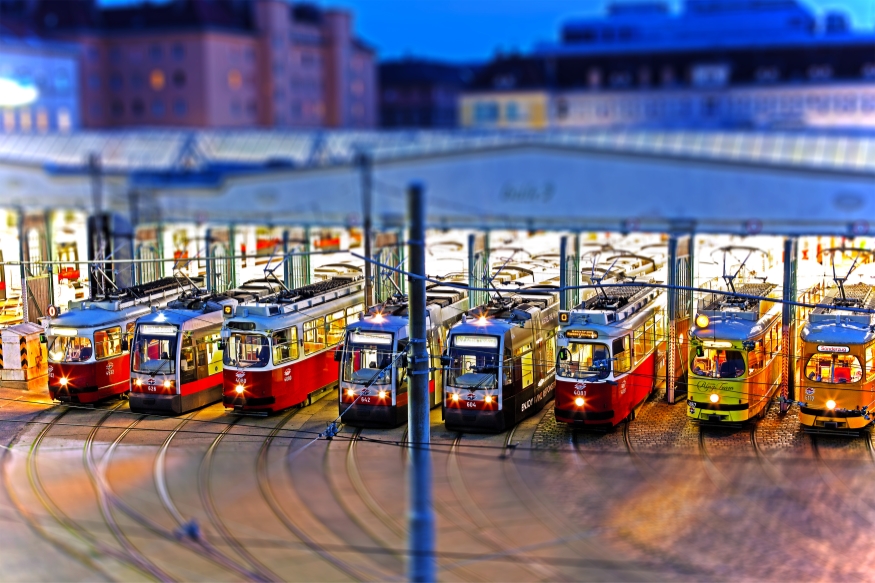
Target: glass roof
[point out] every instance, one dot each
(171, 150)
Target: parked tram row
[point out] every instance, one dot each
(262, 348)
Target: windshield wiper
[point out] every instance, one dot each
(166, 361)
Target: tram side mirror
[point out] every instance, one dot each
(42, 338)
(563, 354)
(446, 360)
(338, 353)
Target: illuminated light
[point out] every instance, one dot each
(717, 344)
(702, 321)
(680, 339)
(239, 389)
(160, 317)
(481, 320)
(138, 382)
(579, 401)
(157, 79)
(714, 397)
(830, 404)
(382, 394)
(487, 399)
(378, 317)
(455, 396)
(62, 331)
(14, 94)
(167, 384)
(63, 381)
(350, 393)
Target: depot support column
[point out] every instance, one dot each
(420, 515)
(672, 348)
(788, 325)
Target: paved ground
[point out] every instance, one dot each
(92, 494)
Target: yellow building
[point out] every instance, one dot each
(512, 110)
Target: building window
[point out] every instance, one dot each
(94, 81)
(115, 55)
(117, 108)
(8, 120)
(279, 94)
(296, 109)
(767, 74)
(157, 80)
(868, 103)
(115, 80)
(158, 108)
(180, 107)
(819, 72)
(845, 103)
(236, 109)
(136, 80)
(95, 109)
(65, 123)
(250, 55)
(512, 111)
(179, 78)
(137, 107)
(24, 120)
(868, 71)
(235, 79)
(155, 52)
(486, 112)
(93, 54)
(178, 51)
(42, 120)
(358, 110)
(252, 108)
(357, 87)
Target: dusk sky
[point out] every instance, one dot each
(473, 29)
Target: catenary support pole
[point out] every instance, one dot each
(421, 566)
(672, 348)
(788, 325)
(211, 269)
(22, 253)
(364, 160)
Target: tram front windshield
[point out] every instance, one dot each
(154, 349)
(583, 360)
(367, 358)
(70, 349)
(833, 368)
(474, 362)
(247, 350)
(717, 363)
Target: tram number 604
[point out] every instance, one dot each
(471, 405)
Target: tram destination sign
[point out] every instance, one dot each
(53, 331)
(476, 341)
(152, 330)
(582, 334)
(370, 338)
(827, 348)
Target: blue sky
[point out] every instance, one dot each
(473, 29)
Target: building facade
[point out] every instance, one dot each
(211, 63)
(39, 86)
(719, 63)
(421, 93)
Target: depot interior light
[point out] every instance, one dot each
(15, 94)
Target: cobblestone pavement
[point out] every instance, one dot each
(104, 494)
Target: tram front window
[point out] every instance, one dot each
(367, 358)
(717, 363)
(154, 350)
(247, 350)
(583, 360)
(474, 362)
(833, 368)
(70, 349)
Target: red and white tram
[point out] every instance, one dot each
(500, 362)
(88, 345)
(277, 354)
(611, 355)
(373, 360)
(176, 360)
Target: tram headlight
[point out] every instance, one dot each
(830, 404)
(350, 393)
(239, 389)
(487, 399)
(63, 381)
(382, 394)
(714, 397)
(455, 397)
(138, 382)
(702, 321)
(579, 401)
(168, 384)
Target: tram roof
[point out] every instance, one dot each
(95, 316)
(185, 319)
(191, 157)
(837, 332)
(732, 328)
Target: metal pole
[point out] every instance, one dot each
(788, 325)
(421, 566)
(22, 249)
(208, 242)
(563, 272)
(672, 347)
(364, 160)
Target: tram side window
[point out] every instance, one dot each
(352, 313)
(550, 353)
(508, 368)
(716, 363)
(314, 335)
(833, 368)
(401, 372)
(638, 344)
(622, 355)
(70, 349)
(756, 358)
(209, 354)
(659, 330)
(187, 368)
(648, 335)
(870, 363)
(129, 333)
(527, 364)
(336, 326)
(285, 345)
(767, 342)
(108, 343)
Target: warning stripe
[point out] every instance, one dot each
(23, 344)
(1, 355)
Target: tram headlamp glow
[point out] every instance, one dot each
(455, 397)
(382, 394)
(63, 381)
(830, 404)
(138, 382)
(714, 397)
(239, 389)
(579, 401)
(378, 317)
(168, 384)
(350, 393)
(702, 321)
(487, 399)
